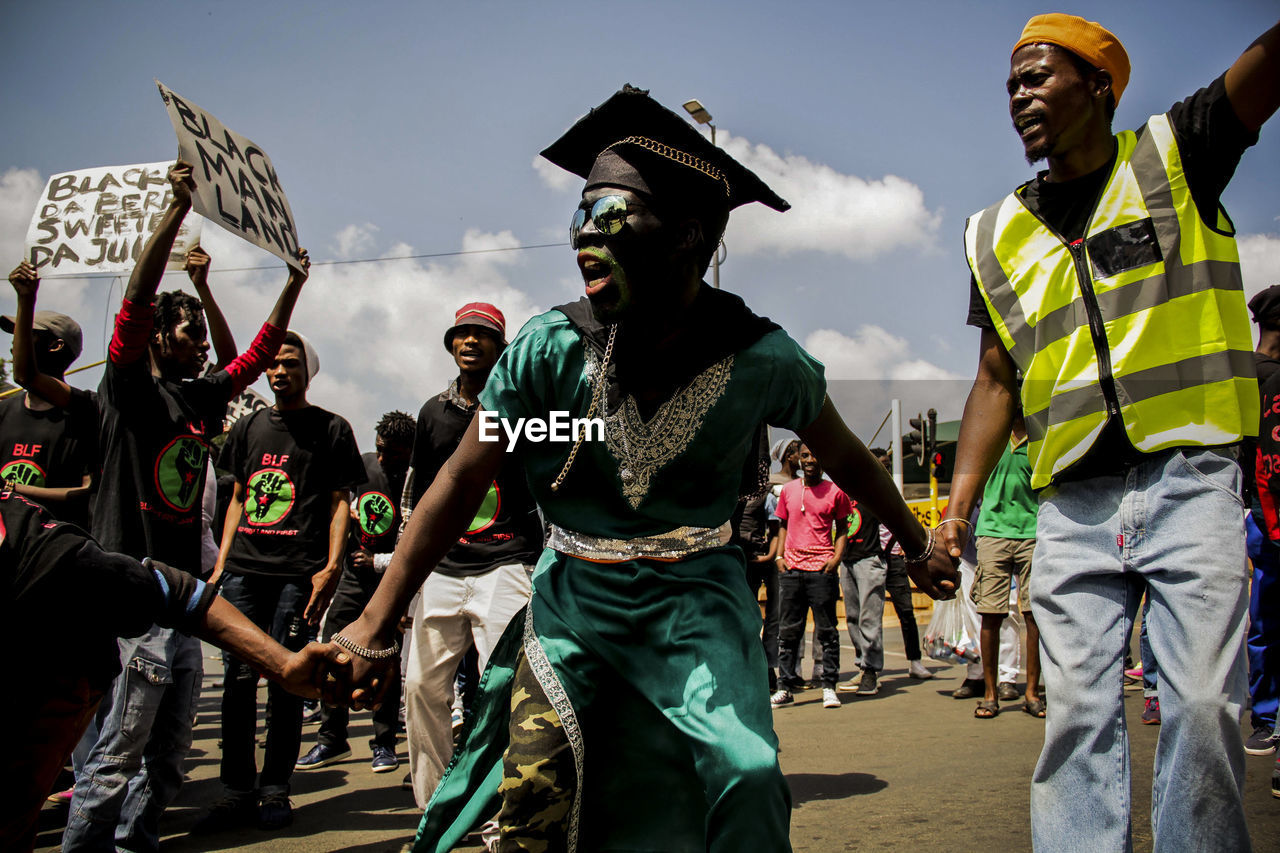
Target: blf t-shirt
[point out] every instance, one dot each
(377, 508)
(51, 448)
(289, 464)
(809, 512)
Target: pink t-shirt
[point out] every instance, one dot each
(809, 513)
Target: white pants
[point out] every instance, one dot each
(452, 614)
(1010, 630)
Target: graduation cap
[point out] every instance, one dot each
(632, 133)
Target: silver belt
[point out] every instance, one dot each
(672, 545)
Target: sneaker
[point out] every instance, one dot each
(61, 798)
(1261, 742)
(868, 686)
(322, 756)
(782, 697)
(236, 810)
(829, 698)
(1006, 691)
(310, 713)
(275, 811)
(850, 686)
(384, 759)
(969, 688)
(916, 670)
(1151, 711)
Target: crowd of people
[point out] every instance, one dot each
(606, 592)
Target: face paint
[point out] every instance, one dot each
(606, 281)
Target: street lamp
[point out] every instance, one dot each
(699, 113)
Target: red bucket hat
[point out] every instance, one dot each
(478, 314)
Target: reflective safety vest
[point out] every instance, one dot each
(1144, 317)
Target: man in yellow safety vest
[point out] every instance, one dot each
(1112, 282)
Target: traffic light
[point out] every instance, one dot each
(918, 438)
(938, 472)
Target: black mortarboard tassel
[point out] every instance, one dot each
(667, 150)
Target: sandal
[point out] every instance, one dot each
(1034, 707)
(986, 710)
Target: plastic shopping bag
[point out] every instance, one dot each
(952, 635)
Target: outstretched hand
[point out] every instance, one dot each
(937, 576)
(25, 279)
(182, 183)
(319, 672)
(300, 276)
(197, 266)
(369, 678)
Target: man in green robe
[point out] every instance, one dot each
(626, 708)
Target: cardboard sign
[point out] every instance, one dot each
(245, 403)
(97, 220)
(236, 185)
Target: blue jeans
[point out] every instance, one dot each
(799, 592)
(1150, 666)
(275, 605)
(862, 584)
(135, 769)
(1264, 627)
(1173, 525)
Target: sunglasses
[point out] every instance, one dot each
(609, 214)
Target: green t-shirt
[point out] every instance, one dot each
(1009, 505)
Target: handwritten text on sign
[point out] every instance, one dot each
(236, 185)
(97, 220)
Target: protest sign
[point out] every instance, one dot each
(245, 403)
(236, 185)
(97, 220)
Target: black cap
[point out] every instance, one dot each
(663, 147)
(1265, 307)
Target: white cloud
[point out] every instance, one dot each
(553, 176)
(830, 212)
(354, 240)
(378, 327)
(1259, 261)
(872, 353)
(19, 191)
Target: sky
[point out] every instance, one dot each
(412, 129)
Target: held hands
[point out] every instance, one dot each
(182, 183)
(318, 672)
(936, 575)
(369, 678)
(197, 267)
(25, 280)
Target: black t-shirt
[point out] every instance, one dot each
(506, 529)
(377, 506)
(52, 448)
(155, 449)
(289, 465)
(751, 525)
(864, 535)
(1211, 141)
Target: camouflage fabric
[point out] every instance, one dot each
(537, 772)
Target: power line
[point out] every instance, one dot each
(340, 262)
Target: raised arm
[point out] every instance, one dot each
(224, 343)
(863, 478)
(1253, 81)
(984, 431)
(145, 279)
(438, 520)
(248, 366)
(26, 283)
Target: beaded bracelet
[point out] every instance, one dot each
(928, 549)
(367, 654)
(949, 520)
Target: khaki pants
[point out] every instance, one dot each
(453, 613)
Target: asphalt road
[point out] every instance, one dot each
(908, 769)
